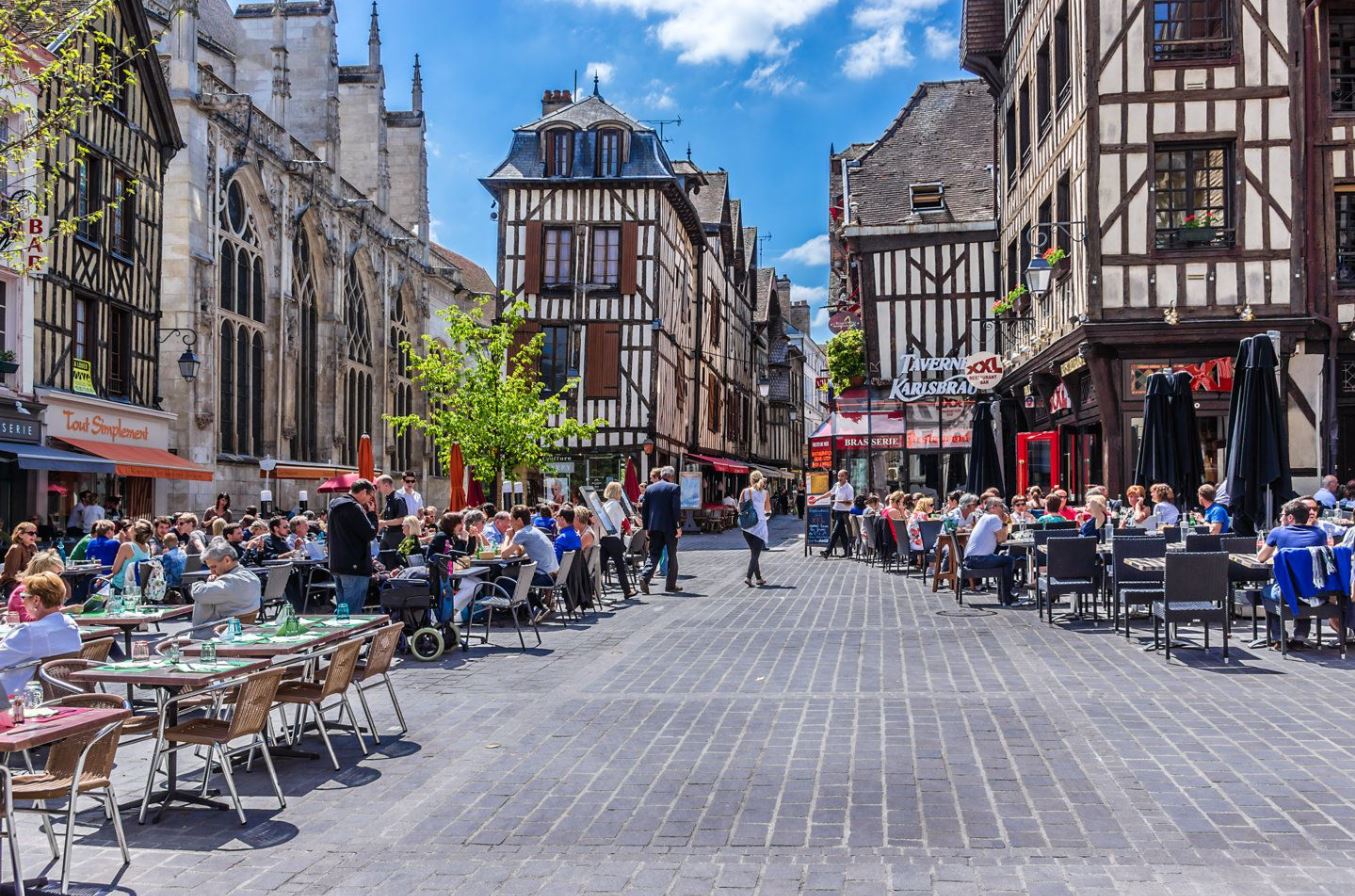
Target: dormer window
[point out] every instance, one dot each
(559, 152)
(927, 197)
(609, 152)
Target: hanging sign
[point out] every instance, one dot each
(82, 377)
(983, 370)
(908, 385)
(35, 245)
(1061, 400)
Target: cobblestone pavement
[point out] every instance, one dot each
(841, 731)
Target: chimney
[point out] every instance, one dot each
(554, 101)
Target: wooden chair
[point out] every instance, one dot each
(374, 669)
(333, 682)
(78, 766)
(252, 701)
(945, 565)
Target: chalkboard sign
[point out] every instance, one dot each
(818, 525)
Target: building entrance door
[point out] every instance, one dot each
(1037, 460)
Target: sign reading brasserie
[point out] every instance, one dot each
(981, 370)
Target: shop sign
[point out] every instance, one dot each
(1061, 401)
(15, 428)
(105, 421)
(950, 438)
(821, 454)
(35, 245)
(821, 384)
(983, 370)
(909, 387)
(1072, 365)
(82, 377)
(1215, 375)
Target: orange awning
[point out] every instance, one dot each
(139, 460)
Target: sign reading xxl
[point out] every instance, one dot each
(982, 370)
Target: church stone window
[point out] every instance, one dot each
(244, 309)
(305, 444)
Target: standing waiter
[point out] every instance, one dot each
(662, 515)
(842, 495)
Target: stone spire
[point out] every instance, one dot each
(374, 41)
(418, 86)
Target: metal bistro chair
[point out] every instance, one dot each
(496, 598)
(1040, 538)
(252, 699)
(929, 530)
(1172, 534)
(868, 531)
(637, 552)
(333, 681)
(1195, 589)
(275, 589)
(557, 596)
(1071, 571)
(374, 669)
(1197, 543)
(1132, 587)
(97, 649)
(886, 542)
(853, 535)
(81, 765)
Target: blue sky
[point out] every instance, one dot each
(763, 88)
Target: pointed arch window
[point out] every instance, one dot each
(243, 303)
(402, 389)
(305, 444)
(359, 379)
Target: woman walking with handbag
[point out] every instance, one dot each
(754, 505)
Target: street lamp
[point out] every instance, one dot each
(268, 463)
(1038, 273)
(189, 362)
(764, 386)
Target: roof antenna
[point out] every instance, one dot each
(689, 150)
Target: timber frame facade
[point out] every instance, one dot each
(1166, 148)
(638, 271)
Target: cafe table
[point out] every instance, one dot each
(173, 679)
(131, 620)
(264, 641)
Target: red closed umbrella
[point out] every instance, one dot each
(366, 463)
(631, 486)
(456, 472)
(475, 494)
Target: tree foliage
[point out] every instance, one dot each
(485, 394)
(846, 353)
(57, 66)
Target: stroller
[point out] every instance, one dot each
(408, 597)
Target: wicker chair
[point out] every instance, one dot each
(1194, 589)
(97, 649)
(1134, 587)
(81, 765)
(333, 682)
(253, 698)
(375, 669)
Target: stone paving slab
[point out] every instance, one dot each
(841, 731)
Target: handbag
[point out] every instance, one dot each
(747, 512)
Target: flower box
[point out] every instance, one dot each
(1197, 234)
(7, 367)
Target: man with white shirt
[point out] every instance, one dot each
(414, 500)
(843, 496)
(93, 512)
(1326, 495)
(981, 550)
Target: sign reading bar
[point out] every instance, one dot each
(983, 370)
(82, 377)
(35, 245)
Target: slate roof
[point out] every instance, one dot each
(944, 134)
(710, 201)
(585, 113)
(766, 284)
(216, 22)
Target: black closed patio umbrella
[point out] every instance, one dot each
(985, 465)
(1258, 439)
(1186, 439)
(1157, 453)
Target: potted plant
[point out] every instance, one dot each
(1199, 227)
(1053, 255)
(846, 359)
(7, 362)
(1010, 300)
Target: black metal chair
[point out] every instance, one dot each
(1131, 532)
(928, 530)
(1203, 542)
(886, 547)
(1194, 589)
(1132, 587)
(1251, 580)
(1071, 571)
(1171, 533)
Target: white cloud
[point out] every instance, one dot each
(434, 228)
(820, 318)
(943, 45)
(660, 97)
(813, 295)
(811, 252)
(770, 78)
(886, 45)
(603, 70)
(713, 30)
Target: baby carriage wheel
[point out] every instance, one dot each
(426, 644)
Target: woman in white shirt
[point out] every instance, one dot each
(613, 548)
(756, 535)
(1165, 512)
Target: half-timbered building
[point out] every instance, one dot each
(635, 269)
(912, 228)
(97, 360)
(1160, 146)
(298, 256)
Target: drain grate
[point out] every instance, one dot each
(966, 613)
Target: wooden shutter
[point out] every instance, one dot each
(531, 284)
(630, 243)
(524, 335)
(602, 370)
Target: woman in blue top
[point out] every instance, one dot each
(133, 551)
(1098, 515)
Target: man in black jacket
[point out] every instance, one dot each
(393, 513)
(662, 515)
(352, 526)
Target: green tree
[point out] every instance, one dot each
(56, 67)
(485, 394)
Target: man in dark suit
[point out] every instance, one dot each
(662, 515)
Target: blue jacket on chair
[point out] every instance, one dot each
(1294, 574)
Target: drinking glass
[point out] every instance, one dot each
(131, 599)
(141, 650)
(209, 651)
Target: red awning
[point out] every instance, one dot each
(143, 461)
(857, 432)
(720, 464)
(341, 483)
